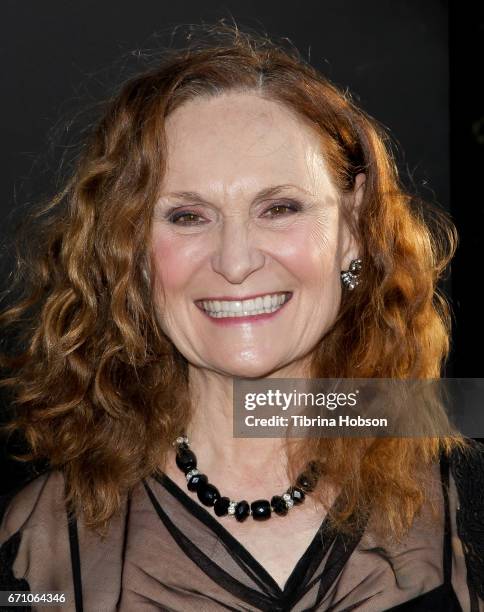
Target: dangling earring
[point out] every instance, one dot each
(349, 278)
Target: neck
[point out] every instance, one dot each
(254, 465)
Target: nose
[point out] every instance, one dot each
(236, 255)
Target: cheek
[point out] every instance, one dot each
(311, 255)
(172, 263)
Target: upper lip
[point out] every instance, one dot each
(228, 298)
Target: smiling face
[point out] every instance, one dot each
(247, 208)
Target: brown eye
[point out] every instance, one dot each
(176, 216)
(284, 207)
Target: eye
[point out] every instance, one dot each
(176, 216)
(293, 207)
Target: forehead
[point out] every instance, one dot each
(237, 141)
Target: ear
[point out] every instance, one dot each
(359, 191)
(351, 248)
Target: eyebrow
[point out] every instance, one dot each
(195, 198)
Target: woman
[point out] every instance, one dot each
(233, 215)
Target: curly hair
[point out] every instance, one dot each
(99, 391)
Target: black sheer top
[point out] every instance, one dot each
(167, 552)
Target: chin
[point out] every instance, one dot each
(246, 370)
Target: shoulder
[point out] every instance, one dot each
(467, 468)
(21, 507)
(26, 509)
(39, 551)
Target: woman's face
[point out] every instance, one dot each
(247, 207)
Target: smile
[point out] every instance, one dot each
(261, 305)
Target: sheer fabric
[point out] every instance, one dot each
(167, 552)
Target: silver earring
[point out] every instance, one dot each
(349, 278)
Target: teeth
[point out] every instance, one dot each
(259, 305)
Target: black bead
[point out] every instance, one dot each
(183, 446)
(296, 494)
(242, 510)
(221, 506)
(186, 460)
(261, 509)
(196, 480)
(306, 482)
(208, 494)
(279, 505)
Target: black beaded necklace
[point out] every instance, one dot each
(260, 509)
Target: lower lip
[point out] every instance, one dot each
(248, 319)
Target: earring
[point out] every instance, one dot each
(349, 278)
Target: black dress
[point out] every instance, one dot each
(167, 552)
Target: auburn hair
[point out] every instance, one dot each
(99, 391)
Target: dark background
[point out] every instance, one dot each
(413, 65)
